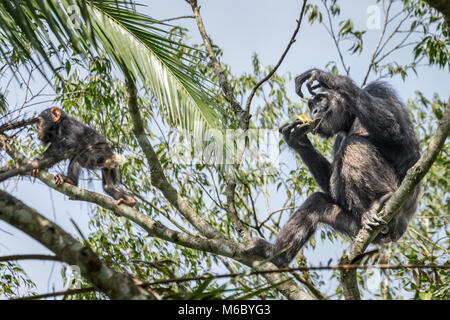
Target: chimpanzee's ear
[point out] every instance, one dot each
(56, 113)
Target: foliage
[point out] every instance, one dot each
(132, 40)
(89, 86)
(14, 281)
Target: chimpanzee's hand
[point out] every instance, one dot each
(294, 133)
(34, 172)
(60, 179)
(309, 77)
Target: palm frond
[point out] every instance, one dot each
(132, 39)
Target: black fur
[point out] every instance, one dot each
(70, 139)
(375, 146)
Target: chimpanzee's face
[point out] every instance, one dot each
(40, 128)
(45, 126)
(329, 108)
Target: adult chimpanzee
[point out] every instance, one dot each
(375, 145)
(70, 139)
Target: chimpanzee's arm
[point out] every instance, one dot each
(318, 165)
(376, 106)
(49, 154)
(56, 152)
(73, 173)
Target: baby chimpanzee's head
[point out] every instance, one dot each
(47, 121)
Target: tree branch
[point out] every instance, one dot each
(409, 183)
(30, 257)
(58, 293)
(152, 227)
(222, 246)
(244, 116)
(18, 124)
(271, 73)
(177, 18)
(26, 168)
(68, 249)
(443, 7)
(158, 179)
(216, 246)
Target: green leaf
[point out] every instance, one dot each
(425, 295)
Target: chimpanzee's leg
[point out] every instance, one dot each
(319, 207)
(109, 180)
(73, 173)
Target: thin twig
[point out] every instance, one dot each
(312, 268)
(58, 293)
(240, 274)
(176, 18)
(393, 33)
(333, 36)
(271, 73)
(30, 257)
(377, 47)
(17, 124)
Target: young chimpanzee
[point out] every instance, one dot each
(70, 139)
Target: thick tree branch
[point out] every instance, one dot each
(409, 183)
(244, 117)
(155, 229)
(158, 179)
(152, 227)
(68, 249)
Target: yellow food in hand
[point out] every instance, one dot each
(304, 118)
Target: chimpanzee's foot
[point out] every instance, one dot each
(370, 218)
(265, 250)
(259, 248)
(129, 201)
(60, 179)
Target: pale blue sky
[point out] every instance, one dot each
(240, 28)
